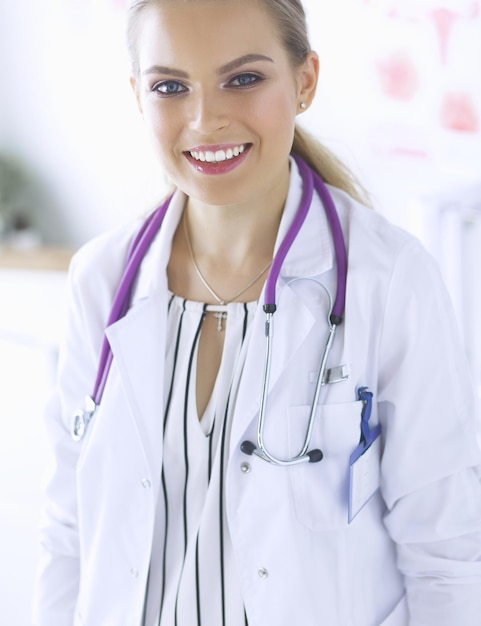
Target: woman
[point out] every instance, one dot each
(164, 512)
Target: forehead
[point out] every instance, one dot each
(189, 31)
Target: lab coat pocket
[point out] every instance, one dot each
(320, 490)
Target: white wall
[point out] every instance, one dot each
(24, 464)
(28, 353)
(70, 115)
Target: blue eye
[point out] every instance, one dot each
(169, 88)
(245, 80)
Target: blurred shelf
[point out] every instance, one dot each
(45, 258)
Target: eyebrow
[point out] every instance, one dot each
(247, 58)
(162, 69)
(224, 69)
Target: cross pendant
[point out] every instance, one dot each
(219, 317)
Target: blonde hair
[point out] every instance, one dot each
(290, 18)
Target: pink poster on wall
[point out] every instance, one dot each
(425, 67)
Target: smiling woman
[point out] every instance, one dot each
(233, 87)
(288, 20)
(162, 510)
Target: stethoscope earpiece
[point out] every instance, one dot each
(247, 447)
(315, 455)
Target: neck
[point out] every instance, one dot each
(231, 246)
(231, 234)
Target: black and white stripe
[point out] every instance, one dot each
(193, 579)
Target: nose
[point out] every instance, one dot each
(208, 113)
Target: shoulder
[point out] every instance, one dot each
(98, 265)
(366, 223)
(94, 276)
(105, 251)
(374, 241)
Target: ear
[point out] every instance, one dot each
(308, 75)
(135, 89)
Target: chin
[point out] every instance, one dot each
(215, 190)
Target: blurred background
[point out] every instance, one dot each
(399, 101)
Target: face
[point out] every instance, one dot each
(220, 97)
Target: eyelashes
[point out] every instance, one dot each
(170, 87)
(245, 80)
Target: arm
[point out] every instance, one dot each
(429, 469)
(58, 578)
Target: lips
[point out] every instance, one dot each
(217, 159)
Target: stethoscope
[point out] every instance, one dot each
(138, 248)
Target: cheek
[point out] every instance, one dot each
(274, 115)
(159, 120)
(156, 125)
(161, 132)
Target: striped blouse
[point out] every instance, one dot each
(193, 579)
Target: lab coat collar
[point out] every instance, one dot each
(152, 276)
(311, 253)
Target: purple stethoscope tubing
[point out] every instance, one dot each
(311, 180)
(337, 313)
(295, 227)
(148, 231)
(137, 250)
(135, 256)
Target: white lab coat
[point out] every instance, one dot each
(413, 554)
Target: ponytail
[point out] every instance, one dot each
(327, 165)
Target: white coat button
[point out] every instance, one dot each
(263, 573)
(134, 572)
(245, 468)
(146, 484)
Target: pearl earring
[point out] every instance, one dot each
(303, 106)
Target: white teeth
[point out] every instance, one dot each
(218, 156)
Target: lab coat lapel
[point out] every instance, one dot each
(138, 339)
(138, 347)
(311, 255)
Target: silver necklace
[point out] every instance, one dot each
(219, 315)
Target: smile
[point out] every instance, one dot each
(218, 160)
(218, 156)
